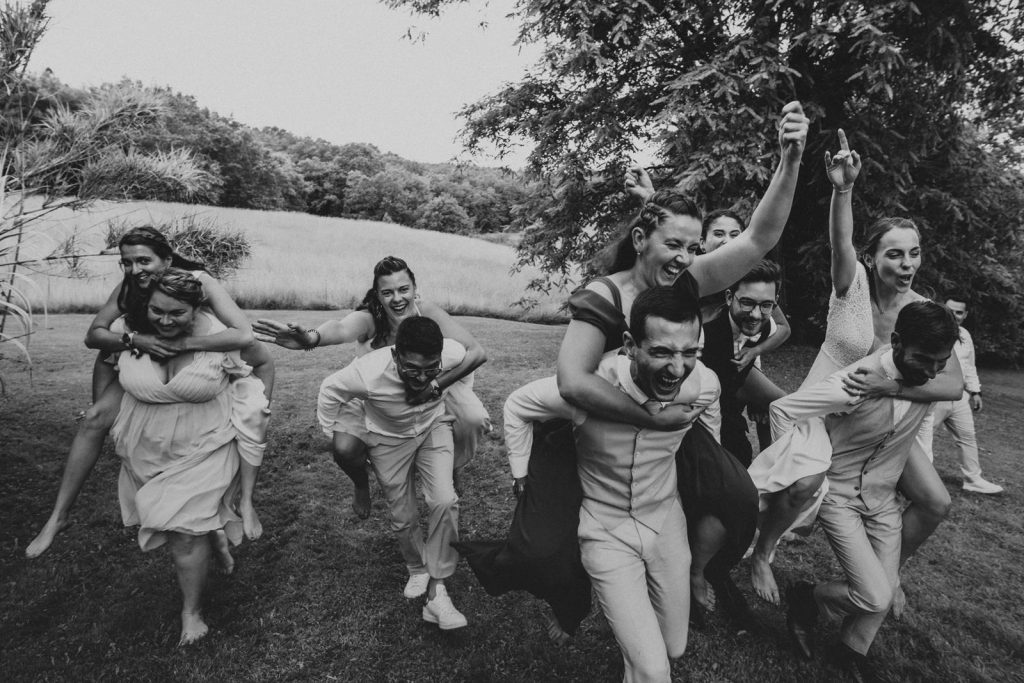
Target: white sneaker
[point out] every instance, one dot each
(442, 612)
(416, 586)
(981, 485)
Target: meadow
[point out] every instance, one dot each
(299, 261)
(319, 596)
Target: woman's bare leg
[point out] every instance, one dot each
(192, 561)
(84, 452)
(709, 537)
(251, 525)
(929, 505)
(350, 454)
(784, 508)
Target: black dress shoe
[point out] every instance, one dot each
(732, 601)
(802, 617)
(856, 666)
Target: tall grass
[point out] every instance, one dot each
(301, 261)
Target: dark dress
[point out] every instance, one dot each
(542, 554)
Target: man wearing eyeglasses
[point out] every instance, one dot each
(749, 303)
(401, 435)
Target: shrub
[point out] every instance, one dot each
(444, 214)
(220, 250)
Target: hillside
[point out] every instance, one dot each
(300, 261)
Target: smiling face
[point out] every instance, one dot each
(142, 264)
(417, 370)
(916, 364)
(897, 259)
(170, 317)
(668, 250)
(958, 309)
(396, 293)
(750, 305)
(665, 358)
(722, 230)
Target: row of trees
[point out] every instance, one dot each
(930, 93)
(275, 170)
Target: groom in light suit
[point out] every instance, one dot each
(871, 438)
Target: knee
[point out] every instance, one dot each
(182, 544)
(99, 417)
(348, 452)
(443, 500)
(653, 669)
(936, 504)
(803, 490)
(874, 599)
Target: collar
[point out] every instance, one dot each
(625, 379)
(889, 366)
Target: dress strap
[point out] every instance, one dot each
(616, 296)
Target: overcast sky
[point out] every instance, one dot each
(336, 69)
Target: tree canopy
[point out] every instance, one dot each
(928, 92)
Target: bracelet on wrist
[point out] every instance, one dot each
(315, 343)
(837, 190)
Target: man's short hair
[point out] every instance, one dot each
(927, 325)
(661, 302)
(765, 271)
(958, 297)
(419, 335)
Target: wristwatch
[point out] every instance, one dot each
(435, 388)
(128, 339)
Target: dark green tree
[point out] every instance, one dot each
(929, 93)
(444, 214)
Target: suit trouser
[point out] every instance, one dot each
(432, 453)
(642, 581)
(959, 420)
(867, 545)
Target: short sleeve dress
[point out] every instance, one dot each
(178, 444)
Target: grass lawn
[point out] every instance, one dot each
(319, 596)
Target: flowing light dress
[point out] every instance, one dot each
(179, 442)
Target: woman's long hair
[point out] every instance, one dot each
(131, 297)
(389, 265)
(873, 236)
(661, 205)
(176, 283)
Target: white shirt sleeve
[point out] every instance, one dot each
(341, 387)
(536, 402)
(817, 400)
(966, 355)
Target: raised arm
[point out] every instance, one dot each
(842, 170)
(356, 326)
(720, 269)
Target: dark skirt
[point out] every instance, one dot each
(542, 553)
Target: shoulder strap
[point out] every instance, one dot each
(616, 296)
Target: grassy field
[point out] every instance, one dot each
(319, 596)
(302, 261)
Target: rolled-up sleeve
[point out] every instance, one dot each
(536, 402)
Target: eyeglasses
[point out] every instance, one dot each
(749, 304)
(428, 373)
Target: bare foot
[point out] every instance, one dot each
(899, 603)
(41, 543)
(219, 539)
(555, 632)
(763, 580)
(361, 502)
(193, 628)
(250, 521)
(702, 592)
